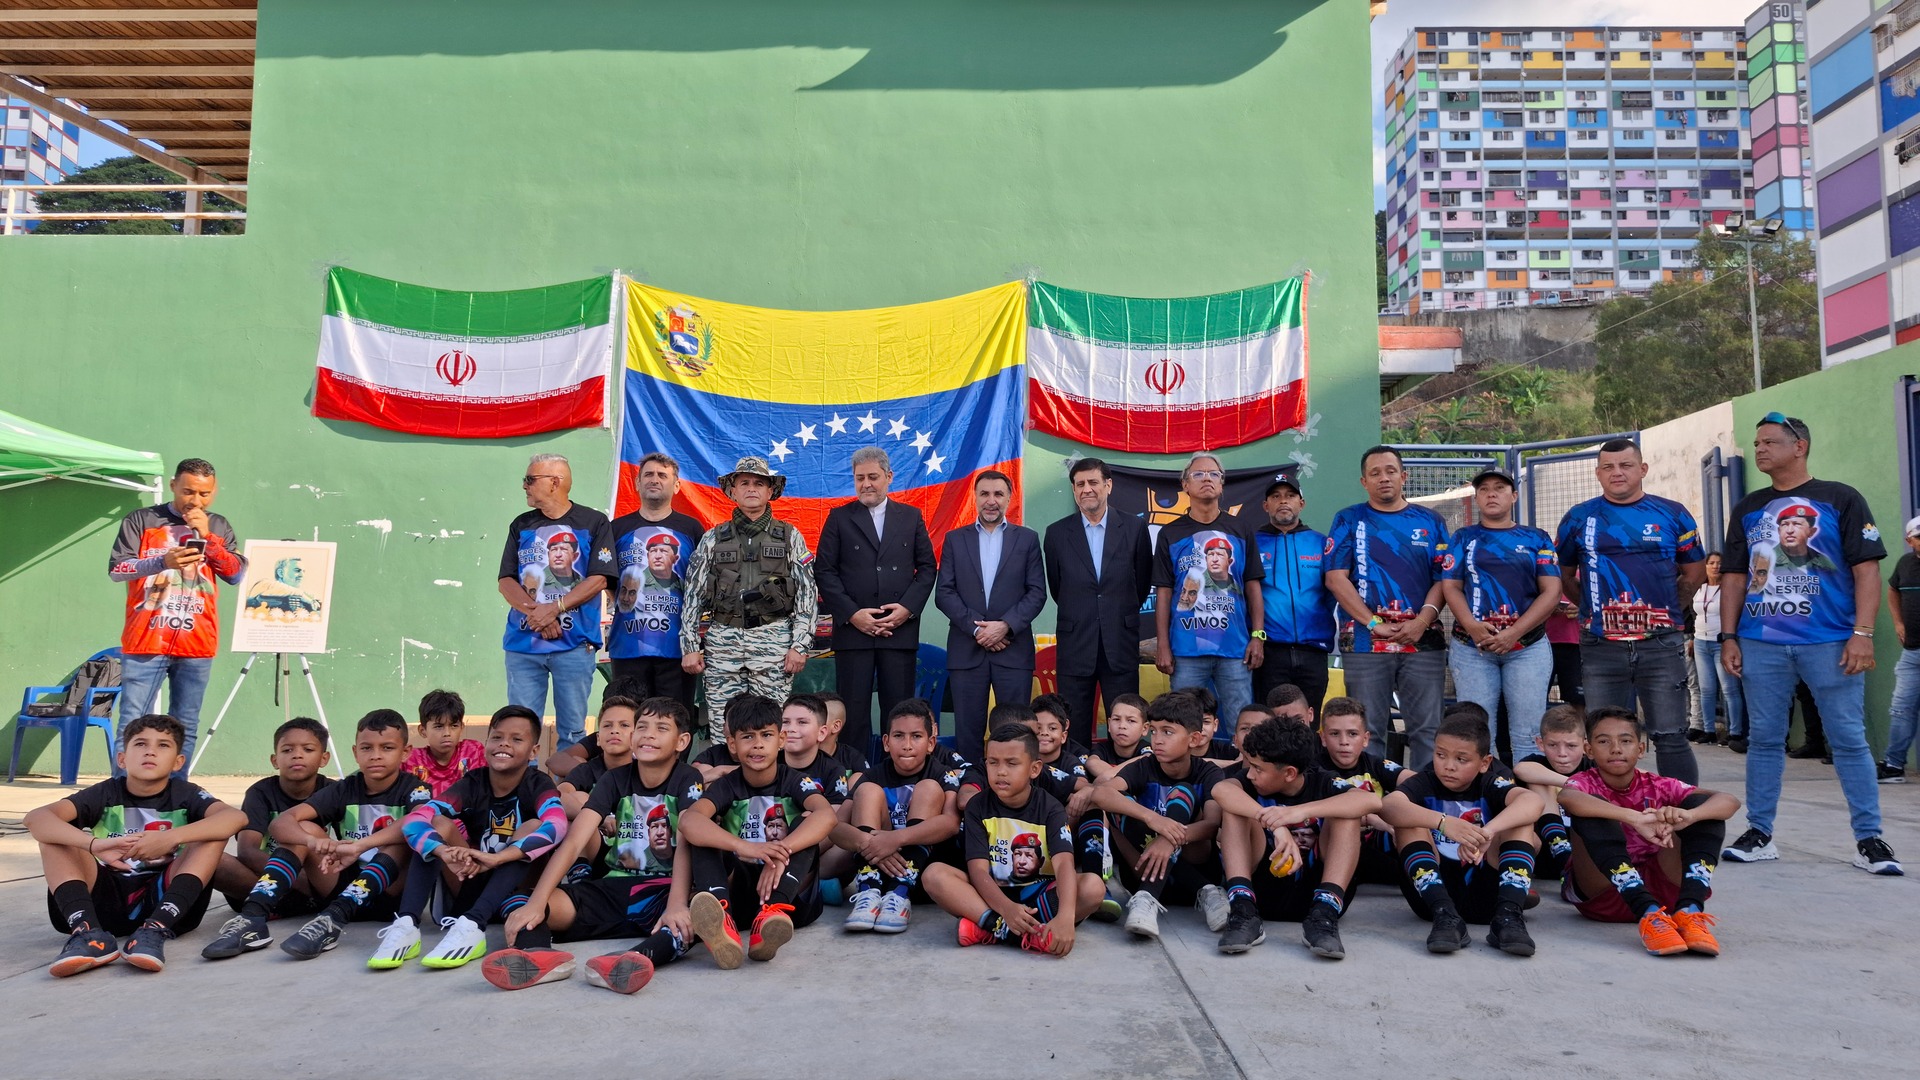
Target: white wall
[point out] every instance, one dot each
(1840, 134)
(1673, 451)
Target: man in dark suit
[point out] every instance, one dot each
(875, 569)
(991, 587)
(1099, 570)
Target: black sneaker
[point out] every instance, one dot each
(1699, 735)
(1875, 857)
(1737, 743)
(1753, 846)
(1807, 751)
(147, 948)
(1889, 774)
(1321, 931)
(1244, 929)
(1509, 932)
(84, 951)
(1449, 933)
(242, 933)
(320, 934)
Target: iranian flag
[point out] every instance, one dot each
(468, 365)
(1167, 376)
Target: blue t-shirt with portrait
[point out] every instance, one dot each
(1208, 566)
(1393, 557)
(650, 587)
(550, 557)
(1798, 549)
(1629, 557)
(1500, 572)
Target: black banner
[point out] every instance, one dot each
(1155, 494)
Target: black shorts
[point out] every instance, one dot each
(1285, 899)
(614, 907)
(123, 903)
(1042, 895)
(1380, 864)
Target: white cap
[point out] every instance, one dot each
(1913, 526)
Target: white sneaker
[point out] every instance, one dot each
(866, 908)
(894, 913)
(1143, 915)
(465, 942)
(1212, 903)
(399, 943)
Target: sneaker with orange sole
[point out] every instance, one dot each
(1696, 927)
(1660, 935)
(971, 933)
(713, 925)
(772, 928)
(622, 972)
(1037, 941)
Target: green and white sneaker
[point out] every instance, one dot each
(399, 943)
(465, 942)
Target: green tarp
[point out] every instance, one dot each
(31, 452)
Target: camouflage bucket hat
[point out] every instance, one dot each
(754, 466)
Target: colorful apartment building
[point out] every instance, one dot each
(1777, 118)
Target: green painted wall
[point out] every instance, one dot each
(821, 155)
(1852, 410)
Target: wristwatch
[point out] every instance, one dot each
(1258, 635)
(1725, 637)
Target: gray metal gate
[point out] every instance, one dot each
(1550, 483)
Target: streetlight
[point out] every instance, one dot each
(1739, 229)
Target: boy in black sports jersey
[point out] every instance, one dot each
(1219, 751)
(902, 807)
(803, 731)
(1562, 752)
(645, 889)
(1448, 818)
(1019, 885)
(1126, 736)
(613, 739)
(299, 755)
(488, 833)
(851, 753)
(1064, 775)
(131, 855)
(1290, 840)
(1343, 752)
(735, 861)
(345, 840)
(1165, 819)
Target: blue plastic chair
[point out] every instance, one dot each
(73, 729)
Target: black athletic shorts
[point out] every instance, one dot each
(614, 907)
(123, 903)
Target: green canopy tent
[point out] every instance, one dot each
(30, 453)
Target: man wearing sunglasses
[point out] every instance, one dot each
(1809, 618)
(558, 559)
(1220, 637)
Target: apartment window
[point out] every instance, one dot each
(1639, 275)
(1646, 35)
(1586, 136)
(1473, 37)
(1459, 114)
(1631, 115)
(1558, 36)
(1553, 256)
(1715, 116)
(1587, 116)
(1606, 215)
(1676, 116)
(1507, 297)
(1463, 298)
(1592, 255)
(1433, 217)
(1427, 176)
(1673, 95)
(1455, 277)
(1426, 298)
(1510, 40)
(1426, 97)
(1634, 133)
(1449, 198)
(1718, 95)
(1511, 119)
(1586, 95)
(1506, 256)
(1446, 174)
(1459, 136)
(1456, 156)
(1532, 96)
(1431, 39)
(1502, 136)
(1613, 35)
(1666, 215)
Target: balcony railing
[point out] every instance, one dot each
(15, 211)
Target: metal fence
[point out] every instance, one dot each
(1553, 476)
(18, 205)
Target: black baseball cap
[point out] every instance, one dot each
(1494, 474)
(1280, 480)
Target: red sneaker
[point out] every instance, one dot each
(622, 973)
(713, 925)
(517, 969)
(772, 928)
(1037, 941)
(971, 933)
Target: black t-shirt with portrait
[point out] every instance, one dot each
(1060, 776)
(266, 800)
(491, 820)
(1002, 835)
(1315, 785)
(351, 811)
(898, 786)
(746, 810)
(642, 823)
(1370, 772)
(1103, 749)
(824, 768)
(1479, 803)
(1149, 785)
(108, 809)
(1541, 759)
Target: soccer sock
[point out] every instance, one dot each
(992, 924)
(182, 891)
(1239, 889)
(534, 937)
(868, 877)
(417, 893)
(1700, 845)
(662, 947)
(1091, 844)
(1555, 845)
(1331, 895)
(1423, 870)
(276, 881)
(799, 868)
(372, 879)
(1606, 843)
(1516, 872)
(75, 902)
(502, 883)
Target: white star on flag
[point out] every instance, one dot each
(806, 434)
(934, 461)
(867, 421)
(921, 442)
(837, 425)
(896, 428)
(780, 451)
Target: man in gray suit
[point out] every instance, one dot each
(991, 587)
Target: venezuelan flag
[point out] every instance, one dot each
(939, 386)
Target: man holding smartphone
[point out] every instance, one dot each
(172, 558)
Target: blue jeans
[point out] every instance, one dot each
(1715, 683)
(1520, 676)
(186, 679)
(1227, 676)
(1905, 710)
(1419, 679)
(1652, 674)
(1769, 672)
(572, 673)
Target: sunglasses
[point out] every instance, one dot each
(527, 481)
(1795, 426)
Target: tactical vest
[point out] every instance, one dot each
(751, 583)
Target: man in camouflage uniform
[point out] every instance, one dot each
(752, 575)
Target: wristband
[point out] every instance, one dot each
(1375, 621)
(1868, 634)
(1725, 637)
(1441, 825)
(1435, 607)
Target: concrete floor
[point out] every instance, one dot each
(1816, 980)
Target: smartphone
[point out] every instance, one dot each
(197, 543)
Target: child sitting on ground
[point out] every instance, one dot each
(1343, 752)
(1064, 775)
(299, 755)
(850, 753)
(1290, 701)
(444, 754)
(1126, 736)
(1448, 818)
(1217, 750)
(1019, 885)
(750, 844)
(1165, 819)
(1561, 752)
(1646, 845)
(131, 855)
(902, 807)
(345, 840)
(613, 745)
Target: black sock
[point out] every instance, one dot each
(1422, 864)
(1700, 845)
(276, 881)
(417, 894)
(662, 947)
(1240, 891)
(1516, 873)
(1606, 844)
(536, 937)
(371, 880)
(1090, 856)
(182, 891)
(75, 902)
(501, 885)
(1554, 843)
(1334, 896)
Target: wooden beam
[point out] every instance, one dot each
(171, 137)
(155, 15)
(123, 115)
(209, 157)
(130, 71)
(91, 124)
(126, 44)
(148, 93)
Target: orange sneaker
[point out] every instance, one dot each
(1037, 941)
(971, 933)
(1659, 934)
(772, 928)
(713, 925)
(1697, 928)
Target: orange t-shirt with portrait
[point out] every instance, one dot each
(172, 612)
